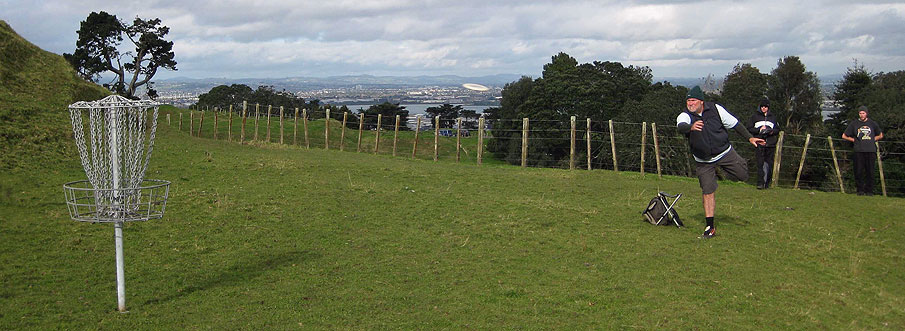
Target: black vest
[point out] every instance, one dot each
(713, 139)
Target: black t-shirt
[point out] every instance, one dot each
(864, 133)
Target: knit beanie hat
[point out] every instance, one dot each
(863, 108)
(696, 93)
(765, 103)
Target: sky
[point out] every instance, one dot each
(276, 39)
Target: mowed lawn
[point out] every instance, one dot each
(277, 237)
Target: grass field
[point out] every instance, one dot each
(279, 237)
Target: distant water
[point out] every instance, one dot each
(420, 108)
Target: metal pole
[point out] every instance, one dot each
(120, 268)
(118, 229)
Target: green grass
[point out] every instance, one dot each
(35, 88)
(266, 236)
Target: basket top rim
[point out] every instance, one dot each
(114, 101)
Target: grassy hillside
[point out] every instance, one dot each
(35, 88)
(276, 237)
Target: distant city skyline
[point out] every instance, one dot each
(252, 39)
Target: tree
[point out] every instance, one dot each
(447, 112)
(389, 112)
(795, 95)
(743, 89)
(97, 51)
(470, 118)
(222, 96)
(885, 100)
(849, 95)
(596, 90)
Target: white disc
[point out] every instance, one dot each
(476, 87)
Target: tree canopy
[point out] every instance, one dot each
(388, 120)
(98, 51)
(447, 112)
(596, 90)
(795, 95)
(743, 89)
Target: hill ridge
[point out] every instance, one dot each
(35, 88)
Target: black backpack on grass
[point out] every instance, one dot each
(660, 212)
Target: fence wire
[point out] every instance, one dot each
(626, 147)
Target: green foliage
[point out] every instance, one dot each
(795, 95)
(848, 96)
(743, 89)
(223, 96)
(260, 100)
(885, 98)
(595, 90)
(97, 51)
(36, 86)
(448, 114)
(388, 120)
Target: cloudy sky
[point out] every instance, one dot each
(273, 39)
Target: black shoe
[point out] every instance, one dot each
(709, 232)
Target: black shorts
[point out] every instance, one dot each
(735, 167)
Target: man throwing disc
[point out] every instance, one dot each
(707, 125)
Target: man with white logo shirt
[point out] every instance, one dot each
(864, 134)
(706, 125)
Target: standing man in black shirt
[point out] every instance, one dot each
(864, 134)
(762, 124)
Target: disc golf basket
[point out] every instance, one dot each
(115, 149)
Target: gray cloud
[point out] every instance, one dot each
(238, 38)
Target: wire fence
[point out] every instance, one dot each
(801, 161)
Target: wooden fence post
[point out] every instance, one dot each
(229, 126)
(327, 130)
(480, 139)
(342, 132)
(417, 131)
(180, 121)
(836, 165)
(804, 151)
(200, 123)
(572, 144)
(377, 136)
(777, 160)
(395, 135)
(305, 127)
(588, 139)
(524, 142)
(257, 113)
(653, 132)
(436, 136)
(244, 117)
(281, 125)
(880, 164)
(643, 144)
(269, 111)
(613, 146)
(168, 119)
(361, 126)
(191, 123)
(295, 127)
(458, 138)
(216, 122)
